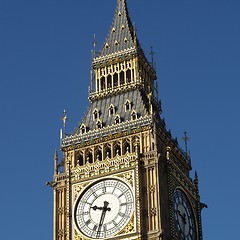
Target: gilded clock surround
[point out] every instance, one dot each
(123, 136)
(127, 177)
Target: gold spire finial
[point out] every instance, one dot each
(64, 119)
(94, 46)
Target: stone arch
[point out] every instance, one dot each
(98, 153)
(136, 144)
(128, 76)
(126, 146)
(122, 80)
(133, 115)
(116, 148)
(79, 158)
(128, 105)
(109, 81)
(117, 119)
(99, 124)
(103, 83)
(83, 128)
(111, 110)
(89, 155)
(107, 151)
(115, 80)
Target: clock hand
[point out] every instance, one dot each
(183, 223)
(100, 208)
(183, 217)
(104, 210)
(96, 208)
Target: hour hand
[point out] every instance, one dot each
(97, 208)
(104, 208)
(183, 217)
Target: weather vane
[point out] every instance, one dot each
(186, 139)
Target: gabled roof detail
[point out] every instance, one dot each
(137, 99)
(121, 35)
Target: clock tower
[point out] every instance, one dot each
(122, 175)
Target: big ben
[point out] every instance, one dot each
(122, 175)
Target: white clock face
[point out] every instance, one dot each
(184, 218)
(104, 209)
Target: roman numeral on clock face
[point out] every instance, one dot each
(88, 222)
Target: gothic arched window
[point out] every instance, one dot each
(99, 124)
(127, 106)
(128, 75)
(109, 81)
(111, 110)
(134, 115)
(102, 82)
(83, 129)
(115, 80)
(117, 119)
(95, 114)
(122, 81)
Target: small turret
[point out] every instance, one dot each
(195, 181)
(55, 162)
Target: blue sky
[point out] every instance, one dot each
(45, 58)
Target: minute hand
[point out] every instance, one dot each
(104, 210)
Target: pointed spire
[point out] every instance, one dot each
(195, 181)
(94, 46)
(64, 119)
(186, 139)
(121, 35)
(152, 53)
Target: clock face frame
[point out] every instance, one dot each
(104, 208)
(183, 216)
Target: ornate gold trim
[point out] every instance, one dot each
(103, 168)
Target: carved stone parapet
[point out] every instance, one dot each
(114, 57)
(101, 168)
(94, 96)
(79, 139)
